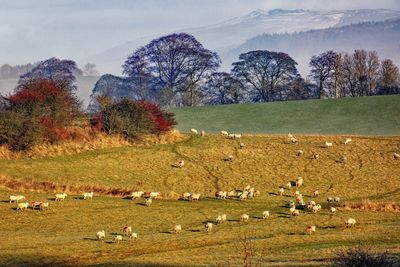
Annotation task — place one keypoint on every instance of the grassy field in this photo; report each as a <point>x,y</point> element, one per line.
<point>65,234</point>
<point>376,115</point>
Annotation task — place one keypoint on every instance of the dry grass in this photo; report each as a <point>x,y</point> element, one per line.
<point>368,205</point>
<point>65,233</point>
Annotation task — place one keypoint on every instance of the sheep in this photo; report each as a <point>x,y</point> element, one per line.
<point>332,209</point>
<point>133,236</point>
<point>228,158</point>
<point>194,197</point>
<point>328,144</point>
<point>289,185</point>
<point>336,199</point>
<point>257,193</point>
<point>87,195</point>
<point>44,205</point>
<point>299,153</point>
<point>350,222</point>
<point>127,230</point>
<point>292,204</point>
<point>281,190</point>
<point>224,133</point>
<point>316,208</point>
<point>265,214</point>
<point>117,239</point>
<point>179,164</point>
<point>329,199</point>
<point>297,193</point>
<point>221,194</point>
<point>343,159</point>
<point>16,199</point>
<point>295,213</point>
<point>310,205</point>
<point>154,195</point>
<point>231,136</point>
<point>315,155</point>
<point>242,145</point>
<point>243,195</point>
<point>61,197</point>
<point>148,202</point>
<point>316,193</point>
<point>194,131</point>
<point>202,133</point>
<point>347,141</point>
<point>299,199</point>
<point>237,136</point>
<point>247,188</point>
<point>396,156</point>
<point>299,181</point>
<point>209,227</point>
<point>244,218</point>
<point>36,204</point>
<point>292,138</point>
<point>22,206</point>
<point>218,220</point>
<point>137,194</point>
<point>177,229</point>
<point>101,235</point>
<point>250,194</point>
<point>223,217</point>
<point>231,194</point>
<point>310,229</point>
<point>186,195</point>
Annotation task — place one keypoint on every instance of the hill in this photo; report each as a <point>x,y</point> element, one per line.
<point>64,235</point>
<point>377,115</point>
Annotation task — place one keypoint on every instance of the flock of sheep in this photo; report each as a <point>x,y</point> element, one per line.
<point>295,206</point>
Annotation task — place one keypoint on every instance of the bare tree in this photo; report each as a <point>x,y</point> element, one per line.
<point>373,65</point>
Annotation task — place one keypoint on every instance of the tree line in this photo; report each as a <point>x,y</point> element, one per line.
<point>176,70</point>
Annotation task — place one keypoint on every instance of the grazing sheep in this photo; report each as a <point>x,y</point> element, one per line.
<point>209,227</point>
<point>281,190</point>
<point>133,236</point>
<point>148,202</point>
<point>16,199</point>
<point>257,193</point>
<point>265,214</point>
<point>316,208</point>
<point>36,204</point>
<point>310,204</point>
<point>328,144</point>
<point>295,213</point>
<point>241,145</point>
<point>289,185</point>
<point>218,220</point>
<point>347,141</point>
<point>127,230</point>
<point>237,136</point>
<point>299,181</point>
<point>117,239</point>
<point>310,229</point>
<point>88,195</point>
<point>299,153</point>
<point>350,222</point>
<point>329,199</point>
<point>244,218</point>
<point>316,193</point>
<point>221,194</point>
<point>396,156</point>
<point>292,138</point>
<point>137,194</point>
<point>194,197</point>
<point>186,195</point>
<point>297,193</point>
<point>180,164</point>
<point>299,199</point>
<point>243,195</point>
<point>202,133</point>
<point>336,199</point>
<point>231,194</point>
<point>250,194</point>
<point>194,131</point>
<point>247,188</point>
<point>177,229</point>
<point>154,195</point>
<point>224,133</point>
<point>101,235</point>
<point>315,155</point>
<point>61,197</point>
<point>44,205</point>
<point>223,217</point>
<point>292,204</point>
<point>332,209</point>
<point>22,206</point>
<point>228,158</point>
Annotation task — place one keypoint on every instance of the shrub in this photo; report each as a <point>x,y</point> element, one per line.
<point>163,121</point>
<point>363,257</point>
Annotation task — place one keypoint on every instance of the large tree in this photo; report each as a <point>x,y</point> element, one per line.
<point>177,62</point>
<point>222,88</point>
<point>322,71</point>
<point>389,77</point>
<point>265,72</point>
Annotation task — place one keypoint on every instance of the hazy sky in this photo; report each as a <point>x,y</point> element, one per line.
<point>32,30</point>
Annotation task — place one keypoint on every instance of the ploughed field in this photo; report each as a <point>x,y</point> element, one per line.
<point>66,232</point>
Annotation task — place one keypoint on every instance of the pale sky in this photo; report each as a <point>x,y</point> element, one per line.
<point>32,30</point>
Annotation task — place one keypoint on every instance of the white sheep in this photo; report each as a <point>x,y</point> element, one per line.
<point>299,181</point>
<point>16,199</point>
<point>295,213</point>
<point>299,153</point>
<point>221,194</point>
<point>88,195</point>
<point>127,230</point>
<point>316,208</point>
<point>202,133</point>
<point>336,199</point>
<point>396,156</point>
<point>242,145</point>
<point>218,220</point>
<point>117,239</point>
<point>316,193</point>
<point>328,144</point>
<point>101,235</point>
<point>194,197</point>
<point>281,190</point>
<point>347,141</point>
<point>297,193</point>
<point>350,222</point>
<point>148,202</point>
<point>231,136</point>
<point>243,195</point>
<point>180,164</point>
<point>224,133</point>
<point>332,209</point>
<point>289,185</point>
<point>310,229</point>
<point>228,158</point>
<point>186,195</point>
<point>329,199</point>
<point>154,195</point>
<point>61,197</point>
<point>244,218</point>
<point>231,194</point>
<point>22,206</point>
<point>209,227</point>
<point>177,229</point>
<point>343,159</point>
<point>265,214</point>
<point>223,217</point>
<point>133,236</point>
<point>247,188</point>
<point>237,136</point>
<point>292,138</point>
<point>194,131</point>
<point>257,193</point>
<point>137,194</point>
<point>44,205</point>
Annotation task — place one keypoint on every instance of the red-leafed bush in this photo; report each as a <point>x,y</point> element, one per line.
<point>163,121</point>
<point>53,133</point>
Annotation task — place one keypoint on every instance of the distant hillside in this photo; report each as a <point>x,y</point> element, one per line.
<point>383,37</point>
<point>375,115</point>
